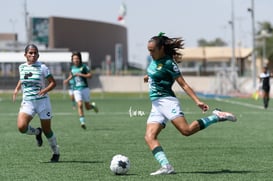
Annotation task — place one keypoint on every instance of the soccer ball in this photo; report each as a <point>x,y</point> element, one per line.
<point>120,164</point>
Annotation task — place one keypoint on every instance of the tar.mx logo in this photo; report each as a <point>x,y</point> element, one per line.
<point>135,112</point>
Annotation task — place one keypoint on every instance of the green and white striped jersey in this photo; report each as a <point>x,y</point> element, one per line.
<point>162,74</point>
<point>32,79</point>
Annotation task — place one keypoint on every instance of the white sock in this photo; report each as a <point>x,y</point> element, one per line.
<point>32,131</point>
<point>53,144</point>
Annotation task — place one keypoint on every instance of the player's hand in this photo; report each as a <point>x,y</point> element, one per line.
<point>146,78</point>
<point>203,106</point>
<point>42,92</point>
<point>65,82</point>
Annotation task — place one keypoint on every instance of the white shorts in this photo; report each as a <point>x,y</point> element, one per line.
<point>165,109</point>
<point>71,92</point>
<point>82,95</point>
<point>42,107</point>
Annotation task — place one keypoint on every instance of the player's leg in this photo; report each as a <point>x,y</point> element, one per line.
<point>86,99</point>
<point>152,131</point>
<point>155,123</point>
<point>184,128</point>
<point>23,121</point>
<point>25,115</point>
<point>71,95</point>
<point>79,99</point>
<point>188,129</point>
<point>266,97</point>
<point>45,115</point>
<point>46,126</point>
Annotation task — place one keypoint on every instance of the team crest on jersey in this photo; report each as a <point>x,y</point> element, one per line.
<point>175,68</point>
<point>159,66</point>
<point>27,75</point>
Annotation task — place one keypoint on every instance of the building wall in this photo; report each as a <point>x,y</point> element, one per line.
<point>97,38</point>
<point>8,37</point>
<point>98,83</point>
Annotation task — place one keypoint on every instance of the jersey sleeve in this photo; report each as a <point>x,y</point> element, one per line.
<point>46,72</point>
<point>86,69</point>
<point>173,69</point>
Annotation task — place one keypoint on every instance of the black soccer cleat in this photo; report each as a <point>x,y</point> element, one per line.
<point>39,138</point>
<point>55,158</point>
<point>83,126</point>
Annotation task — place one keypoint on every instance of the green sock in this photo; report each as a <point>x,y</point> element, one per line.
<point>205,122</point>
<point>160,156</point>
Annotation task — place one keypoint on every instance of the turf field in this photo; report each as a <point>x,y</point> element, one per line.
<point>225,151</point>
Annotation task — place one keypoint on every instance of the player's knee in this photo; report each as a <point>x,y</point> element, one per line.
<point>88,106</point>
<point>148,138</point>
<point>22,129</point>
<point>80,104</point>
<point>186,132</point>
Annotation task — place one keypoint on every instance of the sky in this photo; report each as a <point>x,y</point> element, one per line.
<point>190,19</point>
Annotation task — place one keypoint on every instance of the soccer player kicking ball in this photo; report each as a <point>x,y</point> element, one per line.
<point>35,99</point>
<point>162,72</point>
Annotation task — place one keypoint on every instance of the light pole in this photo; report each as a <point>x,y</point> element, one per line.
<point>13,22</point>
<point>26,22</point>
<point>251,10</point>
<point>233,60</point>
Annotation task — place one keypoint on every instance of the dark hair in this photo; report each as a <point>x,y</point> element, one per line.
<point>172,46</point>
<point>78,54</point>
<point>31,46</point>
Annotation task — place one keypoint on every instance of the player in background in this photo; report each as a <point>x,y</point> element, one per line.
<point>32,82</point>
<point>265,85</point>
<point>80,73</point>
<point>162,72</point>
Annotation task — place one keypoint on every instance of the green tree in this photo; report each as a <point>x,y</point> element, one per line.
<point>265,28</point>
<point>217,42</point>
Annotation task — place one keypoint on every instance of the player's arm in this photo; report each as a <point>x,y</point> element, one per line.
<point>67,79</point>
<point>16,90</point>
<point>51,85</point>
<point>184,85</point>
<point>87,75</point>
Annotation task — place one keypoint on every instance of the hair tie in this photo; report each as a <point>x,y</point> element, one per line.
<point>161,34</point>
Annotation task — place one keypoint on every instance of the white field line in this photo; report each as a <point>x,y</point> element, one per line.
<point>242,104</point>
<point>126,112</point>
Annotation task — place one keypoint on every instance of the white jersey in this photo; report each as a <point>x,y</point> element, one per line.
<point>32,79</point>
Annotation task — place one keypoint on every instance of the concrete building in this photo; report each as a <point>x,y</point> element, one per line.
<point>100,39</point>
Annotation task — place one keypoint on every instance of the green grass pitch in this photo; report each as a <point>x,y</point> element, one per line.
<point>224,151</point>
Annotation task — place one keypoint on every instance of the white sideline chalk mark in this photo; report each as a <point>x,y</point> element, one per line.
<point>241,103</point>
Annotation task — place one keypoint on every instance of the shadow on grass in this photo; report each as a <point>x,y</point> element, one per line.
<point>75,161</point>
<point>125,175</point>
<point>225,171</point>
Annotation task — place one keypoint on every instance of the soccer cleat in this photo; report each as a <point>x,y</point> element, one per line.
<point>39,137</point>
<point>83,126</point>
<point>224,116</point>
<point>167,169</point>
<point>55,158</point>
<point>93,104</point>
